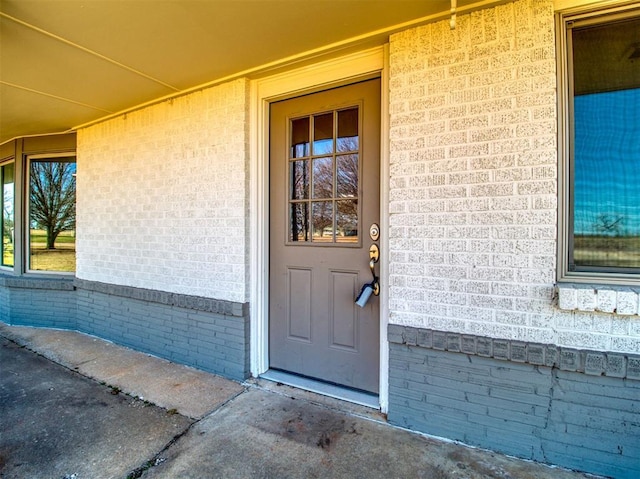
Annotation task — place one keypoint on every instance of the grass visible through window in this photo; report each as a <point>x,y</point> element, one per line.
<point>62,258</point>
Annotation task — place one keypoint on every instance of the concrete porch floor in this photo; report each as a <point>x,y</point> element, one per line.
<point>74,406</point>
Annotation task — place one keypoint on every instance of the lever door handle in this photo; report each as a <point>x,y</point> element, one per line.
<point>374,256</point>
<point>374,253</point>
<point>373,287</point>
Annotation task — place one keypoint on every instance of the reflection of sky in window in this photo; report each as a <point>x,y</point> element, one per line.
<point>7,194</point>
<point>607,161</point>
<point>323,147</point>
<point>7,191</point>
<point>300,150</point>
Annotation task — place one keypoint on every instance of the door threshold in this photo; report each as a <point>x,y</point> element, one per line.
<point>326,389</point>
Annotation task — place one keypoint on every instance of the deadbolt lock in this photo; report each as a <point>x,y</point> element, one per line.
<point>374,232</point>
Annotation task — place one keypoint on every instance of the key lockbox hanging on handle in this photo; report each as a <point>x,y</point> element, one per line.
<point>372,288</point>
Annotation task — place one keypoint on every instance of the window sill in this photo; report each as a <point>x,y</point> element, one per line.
<point>619,300</point>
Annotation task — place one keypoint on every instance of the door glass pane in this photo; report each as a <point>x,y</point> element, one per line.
<point>348,130</point>
<point>299,222</point>
<point>347,176</point>
<point>323,134</point>
<point>323,189</point>
<point>322,212</point>
<point>300,138</point>
<point>299,179</point>
<point>52,214</point>
<point>8,218</point>
<point>347,221</point>
<point>323,178</point>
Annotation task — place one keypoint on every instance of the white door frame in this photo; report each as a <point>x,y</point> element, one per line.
<point>320,76</point>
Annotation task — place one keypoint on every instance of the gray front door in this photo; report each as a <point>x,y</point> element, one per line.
<point>324,197</point>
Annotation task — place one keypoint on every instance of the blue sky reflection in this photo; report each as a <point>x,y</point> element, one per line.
<point>607,163</point>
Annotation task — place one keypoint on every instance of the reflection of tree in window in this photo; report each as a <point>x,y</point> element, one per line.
<point>323,179</point>
<point>52,214</point>
<point>347,220</point>
<point>299,222</point>
<point>299,180</point>
<point>8,220</point>
<point>347,173</point>
<point>322,213</point>
<point>52,198</point>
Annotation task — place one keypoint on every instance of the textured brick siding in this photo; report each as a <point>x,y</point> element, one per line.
<point>601,415</point>
<point>4,305</point>
<point>163,196</point>
<point>212,342</point>
<point>589,423</point>
<point>473,164</point>
<point>48,303</point>
<point>45,308</point>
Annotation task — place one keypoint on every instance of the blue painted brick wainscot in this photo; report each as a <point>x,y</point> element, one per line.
<point>536,401</point>
<point>209,334</point>
<point>45,302</point>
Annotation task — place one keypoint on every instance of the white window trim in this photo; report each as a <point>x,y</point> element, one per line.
<point>320,76</point>
<point>583,11</point>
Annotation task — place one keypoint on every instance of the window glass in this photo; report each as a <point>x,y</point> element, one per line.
<point>323,180</point>
<point>299,222</point>
<point>299,181</point>
<point>300,138</point>
<point>347,172</point>
<point>347,221</point>
<point>348,130</point>
<point>8,218</point>
<point>323,177</point>
<point>323,134</point>
<point>322,221</point>
<point>52,214</point>
<point>604,171</point>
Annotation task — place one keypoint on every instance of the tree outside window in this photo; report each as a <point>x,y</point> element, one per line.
<point>8,220</point>
<point>52,214</point>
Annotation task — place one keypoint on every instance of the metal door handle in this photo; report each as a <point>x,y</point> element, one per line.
<point>374,253</point>
<point>374,287</point>
<point>374,256</point>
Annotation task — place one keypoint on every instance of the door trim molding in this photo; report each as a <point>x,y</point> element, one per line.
<point>320,76</point>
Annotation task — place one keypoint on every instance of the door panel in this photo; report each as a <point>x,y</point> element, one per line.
<point>324,195</point>
<point>299,299</point>
<point>343,313</point>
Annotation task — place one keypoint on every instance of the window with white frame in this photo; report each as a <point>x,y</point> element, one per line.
<point>52,213</point>
<point>600,138</point>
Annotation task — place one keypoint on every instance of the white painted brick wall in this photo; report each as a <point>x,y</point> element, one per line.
<point>473,197</point>
<point>163,196</point>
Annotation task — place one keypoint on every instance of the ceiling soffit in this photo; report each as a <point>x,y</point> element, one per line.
<point>69,62</point>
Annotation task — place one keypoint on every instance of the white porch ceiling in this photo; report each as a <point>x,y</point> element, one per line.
<point>64,63</point>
